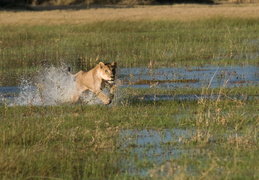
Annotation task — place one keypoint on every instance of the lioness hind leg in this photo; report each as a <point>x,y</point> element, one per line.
<point>103,97</point>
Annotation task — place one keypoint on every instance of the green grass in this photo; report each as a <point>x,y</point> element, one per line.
<point>83,142</point>
<point>79,142</point>
<point>217,41</point>
<point>228,93</point>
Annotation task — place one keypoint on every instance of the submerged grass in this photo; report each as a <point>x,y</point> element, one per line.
<point>227,93</point>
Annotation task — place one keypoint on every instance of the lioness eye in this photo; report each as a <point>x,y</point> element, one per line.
<point>106,71</point>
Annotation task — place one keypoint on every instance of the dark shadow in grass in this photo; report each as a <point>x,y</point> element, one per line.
<point>45,5</point>
<point>186,1</point>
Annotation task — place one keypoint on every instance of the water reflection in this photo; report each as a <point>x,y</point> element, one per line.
<point>194,77</point>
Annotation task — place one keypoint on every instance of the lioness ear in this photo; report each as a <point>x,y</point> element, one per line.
<point>114,64</point>
<point>101,64</point>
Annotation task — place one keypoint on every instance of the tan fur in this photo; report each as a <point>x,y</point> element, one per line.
<point>95,80</point>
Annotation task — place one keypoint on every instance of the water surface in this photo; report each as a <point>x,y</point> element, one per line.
<point>58,85</point>
<point>195,77</point>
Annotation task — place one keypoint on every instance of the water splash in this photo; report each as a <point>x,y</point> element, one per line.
<point>52,86</point>
<point>27,94</point>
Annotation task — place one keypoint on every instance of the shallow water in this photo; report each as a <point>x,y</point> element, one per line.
<point>153,146</point>
<point>191,97</point>
<point>211,76</point>
<point>57,85</point>
<point>157,147</point>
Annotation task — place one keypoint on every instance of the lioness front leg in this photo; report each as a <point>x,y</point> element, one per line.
<point>103,97</point>
<point>112,89</point>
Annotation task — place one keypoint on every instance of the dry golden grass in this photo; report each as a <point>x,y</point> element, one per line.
<point>176,12</point>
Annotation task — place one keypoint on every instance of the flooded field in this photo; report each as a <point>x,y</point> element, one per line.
<point>58,85</point>
<point>152,152</point>
<point>186,105</point>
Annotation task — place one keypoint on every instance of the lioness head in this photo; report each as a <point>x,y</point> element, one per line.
<point>107,71</point>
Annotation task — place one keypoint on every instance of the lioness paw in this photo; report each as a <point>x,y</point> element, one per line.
<point>107,102</point>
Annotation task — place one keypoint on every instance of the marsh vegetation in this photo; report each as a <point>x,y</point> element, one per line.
<point>186,106</point>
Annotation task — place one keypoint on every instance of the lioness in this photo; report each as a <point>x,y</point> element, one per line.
<point>95,80</point>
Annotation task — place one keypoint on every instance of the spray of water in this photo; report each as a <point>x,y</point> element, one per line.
<point>52,86</point>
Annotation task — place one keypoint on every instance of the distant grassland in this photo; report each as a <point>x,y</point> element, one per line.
<point>155,36</point>
<point>172,13</point>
